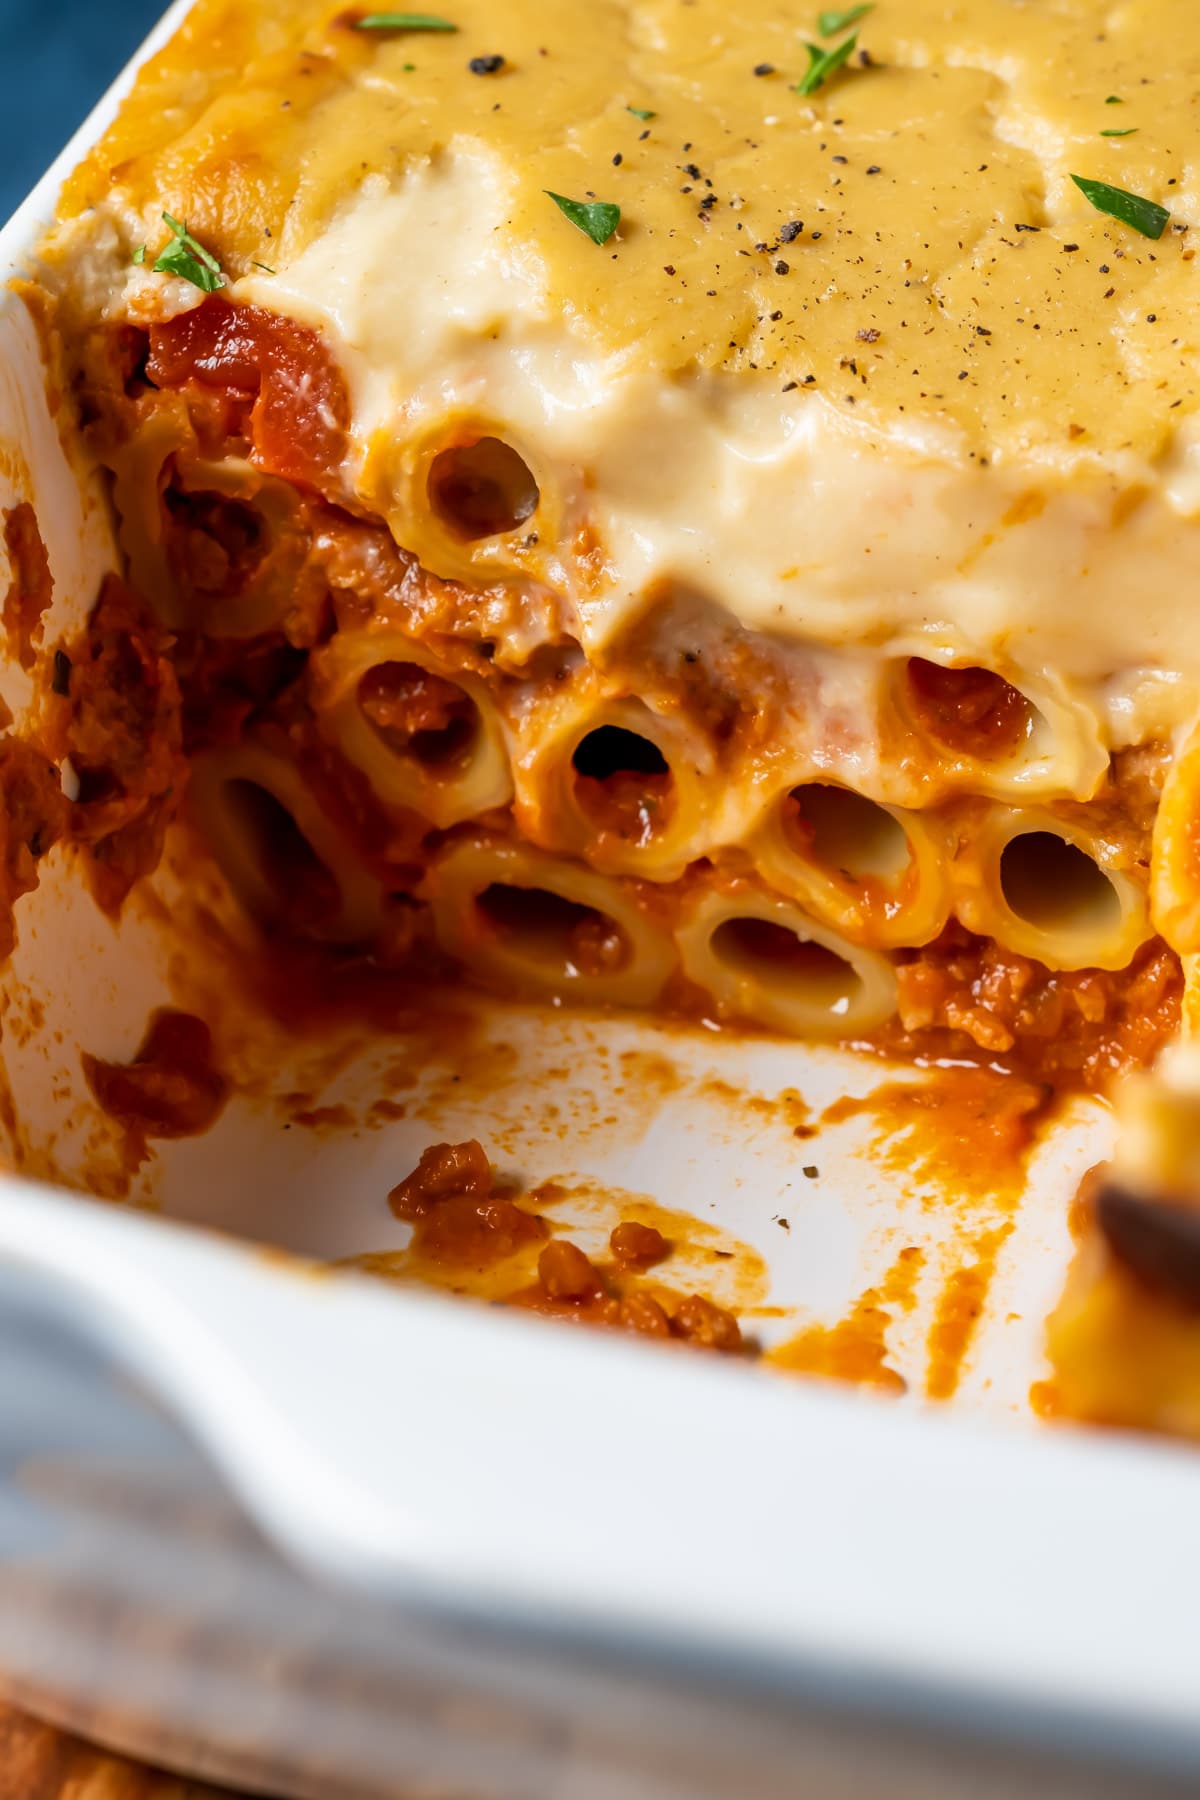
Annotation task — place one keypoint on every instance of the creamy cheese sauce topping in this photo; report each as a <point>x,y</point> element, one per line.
<point>862,366</point>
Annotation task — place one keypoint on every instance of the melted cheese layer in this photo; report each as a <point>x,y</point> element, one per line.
<point>952,413</point>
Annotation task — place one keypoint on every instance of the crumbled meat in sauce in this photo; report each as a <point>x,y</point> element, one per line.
<point>460,1221</point>
<point>33,817</point>
<point>475,1233</point>
<point>444,1169</point>
<point>587,940</point>
<point>596,946</point>
<point>415,710</point>
<point>1155,1238</point>
<point>217,543</point>
<point>623,784</point>
<point>632,806</point>
<point>1078,1027</point>
<point>244,560</point>
<point>700,1322</point>
<point>171,1089</point>
<point>1123,809</point>
<point>226,683</point>
<point>567,1274</point>
<point>124,738</point>
<point>404,698</point>
<point>688,1318</point>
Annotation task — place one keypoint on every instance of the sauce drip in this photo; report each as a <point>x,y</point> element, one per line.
<point>855,1349</point>
<point>171,1089</point>
<point>33,816</point>
<point>31,586</point>
<point>959,1309</point>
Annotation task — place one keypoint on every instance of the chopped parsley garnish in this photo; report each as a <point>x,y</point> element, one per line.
<point>822,64</point>
<point>830,23</point>
<point>189,260</point>
<point>392,21</point>
<point>1143,215</point>
<point>597,219</point>
<point>1129,131</point>
<point>641,112</point>
<point>1113,100</point>
<point>139,255</point>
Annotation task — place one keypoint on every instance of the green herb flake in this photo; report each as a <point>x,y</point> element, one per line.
<point>822,64</point>
<point>1113,100</point>
<point>1129,131</point>
<point>830,23</point>
<point>189,260</point>
<point>265,267</point>
<point>597,219</point>
<point>139,255</point>
<point>393,21</point>
<point>1146,216</point>
<point>641,112</point>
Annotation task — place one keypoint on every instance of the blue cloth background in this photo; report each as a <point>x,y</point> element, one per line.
<point>56,59</point>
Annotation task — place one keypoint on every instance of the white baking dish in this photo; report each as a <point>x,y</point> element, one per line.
<point>518,1560</point>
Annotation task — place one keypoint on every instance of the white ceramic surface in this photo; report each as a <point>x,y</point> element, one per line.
<point>440,1454</point>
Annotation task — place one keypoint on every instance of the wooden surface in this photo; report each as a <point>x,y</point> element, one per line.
<point>39,1763</point>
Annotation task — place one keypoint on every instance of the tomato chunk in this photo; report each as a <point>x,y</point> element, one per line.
<point>300,410</point>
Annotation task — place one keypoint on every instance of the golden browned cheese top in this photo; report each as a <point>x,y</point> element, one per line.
<point>906,239</point>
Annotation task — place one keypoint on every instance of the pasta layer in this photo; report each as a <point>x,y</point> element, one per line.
<point>580,566</point>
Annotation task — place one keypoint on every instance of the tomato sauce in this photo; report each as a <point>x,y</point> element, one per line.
<point>1084,1028</point>
<point>418,713</point>
<point>974,712</point>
